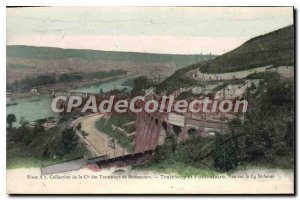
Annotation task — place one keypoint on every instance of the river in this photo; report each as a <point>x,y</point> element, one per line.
<point>38,107</point>
<point>106,86</point>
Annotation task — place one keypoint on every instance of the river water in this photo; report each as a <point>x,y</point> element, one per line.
<point>39,107</point>
<point>107,86</point>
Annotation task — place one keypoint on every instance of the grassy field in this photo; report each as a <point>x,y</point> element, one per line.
<point>275,48</point>
<point>188,170</point>
<point>105,126</point>
<point>178,168</point>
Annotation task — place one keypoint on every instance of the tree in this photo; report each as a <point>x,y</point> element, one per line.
<point>23,122</point>
<point>266,135</point>
<point>10,119</point>
<point>139,84</point>
<point>226,155</point>
<point>46,154</point>
<point>68,141</point>
<point>78,127</point>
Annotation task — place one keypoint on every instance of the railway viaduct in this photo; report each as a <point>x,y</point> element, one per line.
<point>152,128</point>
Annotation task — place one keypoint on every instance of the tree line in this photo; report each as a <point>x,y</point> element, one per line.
<point>30,82</point>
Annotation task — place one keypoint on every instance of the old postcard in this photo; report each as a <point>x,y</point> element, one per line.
<point>150,100</point>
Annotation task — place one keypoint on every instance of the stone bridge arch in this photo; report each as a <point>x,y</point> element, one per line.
<point>177,130</point>
<point>190,131</point>
<point>156,120</point>
<point>208,132</point>
<point>153,128</point>
<point>117,171</point>
<point>164,130</point>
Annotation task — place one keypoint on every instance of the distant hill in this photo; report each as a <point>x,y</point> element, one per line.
<point>275,48</point>
<point>30,61</point>
<point>49,53</point>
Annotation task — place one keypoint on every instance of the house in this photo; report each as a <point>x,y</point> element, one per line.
<point>34,90</point>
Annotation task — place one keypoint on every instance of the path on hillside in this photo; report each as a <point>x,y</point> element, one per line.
<point>98,141</point>
<point>285,71</point>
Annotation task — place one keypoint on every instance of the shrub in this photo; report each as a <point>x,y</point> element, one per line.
<point>226,154</point>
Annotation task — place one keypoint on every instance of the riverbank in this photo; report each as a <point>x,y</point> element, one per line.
<point>36,107</point>
<point>64,86</point>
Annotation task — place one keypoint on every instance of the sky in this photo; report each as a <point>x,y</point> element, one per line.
<point>174,30</point>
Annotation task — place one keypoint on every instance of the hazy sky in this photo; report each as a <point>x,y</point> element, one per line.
<point>183,30</point>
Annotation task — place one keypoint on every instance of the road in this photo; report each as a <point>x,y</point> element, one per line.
<point>97,142</point>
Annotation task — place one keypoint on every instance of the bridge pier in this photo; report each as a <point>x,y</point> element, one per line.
<point>147,133</point>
